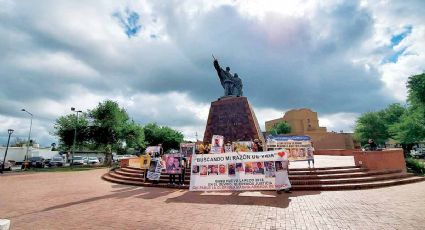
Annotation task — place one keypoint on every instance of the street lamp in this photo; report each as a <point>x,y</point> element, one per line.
<point>29,138</point>
<point>10,131</point>
<point>75,135</point>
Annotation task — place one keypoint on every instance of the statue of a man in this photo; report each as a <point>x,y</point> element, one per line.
<point>232,85</point>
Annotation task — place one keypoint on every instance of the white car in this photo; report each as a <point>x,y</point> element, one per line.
<point>92,161</point>
<point>77,160</point>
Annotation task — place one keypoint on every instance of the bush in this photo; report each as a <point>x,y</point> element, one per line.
<point>415,165</point>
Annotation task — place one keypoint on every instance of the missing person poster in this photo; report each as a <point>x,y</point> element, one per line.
<point>299,147</point>
<point>217,144</point>
<point>187,149</point>
<point>239,172</point>
<point>242,146</point>
<point>154,171</point>
<point>145,161</point>
<point>173,163</point>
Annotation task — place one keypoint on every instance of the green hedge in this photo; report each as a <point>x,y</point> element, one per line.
<point>415,165</point>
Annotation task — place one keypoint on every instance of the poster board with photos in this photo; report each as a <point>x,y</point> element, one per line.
<point>155,168</point>
<point>187,149</point>
<point>239,172</point>
<point>173,163</point>
<point>217,144</point>
<point>145,161</point>
<point>242,146</point>
<point>299,147</point>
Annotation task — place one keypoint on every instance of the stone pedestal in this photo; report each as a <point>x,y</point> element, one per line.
<point>233,118</point>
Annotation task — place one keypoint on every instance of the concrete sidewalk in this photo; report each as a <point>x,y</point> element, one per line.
<point>81,200</point>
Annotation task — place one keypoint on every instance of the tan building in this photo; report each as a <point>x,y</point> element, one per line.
<point>305,122</point>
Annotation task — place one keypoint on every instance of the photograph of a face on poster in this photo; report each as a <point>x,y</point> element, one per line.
<point>152,166</point>
<point>258,168</point>
<point>222,169</point>
<point>172,164</point>
<point>232,169</point>
<point>239,167</point>
<point>204,170</point>
<point>248,167</point>
<point>217,144</point>
<point>187,149</point>
<point>212,169</point>
<point>279,166</point>
<point>270,169</point>
<point>195,169</point>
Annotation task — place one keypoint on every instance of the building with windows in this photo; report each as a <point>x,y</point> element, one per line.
<point>305,122</point>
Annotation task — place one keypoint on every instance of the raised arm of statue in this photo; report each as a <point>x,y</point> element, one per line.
<point>220,71</point>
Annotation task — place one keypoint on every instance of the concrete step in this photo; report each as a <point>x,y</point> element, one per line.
<point>352,180</point>
<point>319,187</point>
<point>352,186</point>
<point>292,177</point>
<point>109,178</point>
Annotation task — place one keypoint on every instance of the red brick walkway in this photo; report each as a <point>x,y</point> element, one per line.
<point>81,200</point>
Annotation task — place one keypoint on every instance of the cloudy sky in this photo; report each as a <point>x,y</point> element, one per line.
<point>339,58</point>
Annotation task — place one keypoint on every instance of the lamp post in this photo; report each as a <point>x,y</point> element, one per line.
<point>10,131</point>
<point>29,138</point>
<point>75,135</point>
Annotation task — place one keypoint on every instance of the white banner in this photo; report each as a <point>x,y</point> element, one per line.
<point>240,171</point>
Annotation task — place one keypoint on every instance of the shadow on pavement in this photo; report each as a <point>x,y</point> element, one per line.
<point>261,198</point>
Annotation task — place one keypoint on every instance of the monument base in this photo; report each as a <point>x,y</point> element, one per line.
<point>233,118</point>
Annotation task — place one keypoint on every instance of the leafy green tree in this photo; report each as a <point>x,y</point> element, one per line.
<point>134,136</point>
<point>168,137</point>
<point>65,127</point>
<point>109,123</point>
<point>370,125</point>
<point>416,90</point>
<point>281,128</point>
<point>410,129</point>
<point>392,114</point>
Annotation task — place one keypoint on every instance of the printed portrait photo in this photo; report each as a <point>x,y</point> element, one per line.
<point>248,167</point>
<point>222,169</point>
<point>258,168</point>
<point>195,169</point>
<point>239,167</point>
<point>212,169</point>
<point>279,166</point>
<point>204,170</point>
<point>270,169</point>
<point>232,169</point>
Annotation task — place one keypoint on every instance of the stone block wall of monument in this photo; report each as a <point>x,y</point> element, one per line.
<point>305,122</point>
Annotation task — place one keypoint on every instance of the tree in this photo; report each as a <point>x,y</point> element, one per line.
<point>65,128</point>
<point>109,122</point>
<point>371,126</point>
<point>411,126</point>
<point>281,128</point>
<point>416,90</point>
<point>134,136</point>
<point>168,137</point>
<point>410,129</point>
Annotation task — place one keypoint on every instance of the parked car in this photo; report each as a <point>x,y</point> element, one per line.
<point>36,162</point>
<point>7,165</point>
<point>92,160</point>
<point>56,161</point>
<point>77,160</point>
<point>418,153</point>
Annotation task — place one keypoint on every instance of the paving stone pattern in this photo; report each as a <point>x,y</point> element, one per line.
<point>81,200</point>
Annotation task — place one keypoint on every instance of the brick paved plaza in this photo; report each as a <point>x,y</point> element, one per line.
<point>81,200</point>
